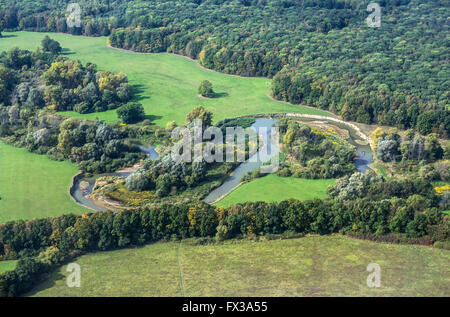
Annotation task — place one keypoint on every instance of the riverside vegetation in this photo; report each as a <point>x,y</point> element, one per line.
<point>38,87</point>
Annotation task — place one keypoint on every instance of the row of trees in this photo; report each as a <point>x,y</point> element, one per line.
<point>402,208</point>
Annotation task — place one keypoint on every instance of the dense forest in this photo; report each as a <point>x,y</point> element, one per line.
<point>320,53</point>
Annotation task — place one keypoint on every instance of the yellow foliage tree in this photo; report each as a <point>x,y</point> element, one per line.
<point>191,216</point>
<point>109,81</point>
<point>201,57</point>
<point>378,133</point>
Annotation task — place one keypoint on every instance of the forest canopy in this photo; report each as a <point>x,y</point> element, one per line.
<point>320,53</point>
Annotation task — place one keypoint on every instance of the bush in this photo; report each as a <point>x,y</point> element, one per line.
<point>442,245</point>
<point>51,46</point>
<point>131,112</point>
<point>171,125</point>
<point>440,232</point>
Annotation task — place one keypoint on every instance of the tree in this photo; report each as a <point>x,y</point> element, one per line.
<point>7,81</point>
<point>131,112</point>
<point>433,147</point>
<point>171,125</point>
<point>417,227</point>
<point>50,45</point>
<point>206,90</point>
<point>35,98</point>
<point>200,113</point>
<point>387,150</point>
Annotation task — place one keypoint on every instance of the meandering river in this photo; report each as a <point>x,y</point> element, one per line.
<point>364,154</point>
<point>248,166</point>
<point>84,186</point>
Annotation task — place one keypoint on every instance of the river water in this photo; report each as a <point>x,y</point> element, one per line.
<point>248,166</point>
<point>364,158</point>
<point>81,195</point>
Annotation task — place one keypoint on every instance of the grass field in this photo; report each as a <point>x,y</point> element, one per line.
<point>166,84</point>
<point>6,266</point>
<point>310,266</point>
<point>380,169</point>
<point>33,186</point>
<point>274,188</point>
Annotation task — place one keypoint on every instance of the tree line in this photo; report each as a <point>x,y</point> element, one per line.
<point>320,53</point>
<point>360,205</point>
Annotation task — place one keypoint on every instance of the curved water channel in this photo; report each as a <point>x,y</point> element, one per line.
<point>83,187</point>
<point>364,155</point>
<point>364,152</point>
<point>248,166</point>
<point>364,158</point>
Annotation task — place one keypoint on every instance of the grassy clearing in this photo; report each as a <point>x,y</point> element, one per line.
<point>6,266</point>
<point>274,188</point>
<point>380,169</point>
<point>310,266</point>
<point>33,186</point>
<point>165,84</point>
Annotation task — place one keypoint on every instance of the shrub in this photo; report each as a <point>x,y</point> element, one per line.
<point>442,245</point>
<point>171,125</point>
<point>131,112</point>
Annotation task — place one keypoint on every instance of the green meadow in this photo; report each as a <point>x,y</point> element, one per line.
<point>273,188</point>
<point>309,266</point>
<point>165,84</point>
<point>33,186</point>
<point>6,266</point>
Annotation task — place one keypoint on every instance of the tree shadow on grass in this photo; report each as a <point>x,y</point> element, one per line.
<point>67,51</point>
<point>221,95</point>
<point>217,95</point>
<point>5,36</point>
<point>47,283</point>
<point>152,117</point>
<point>138,91</point>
